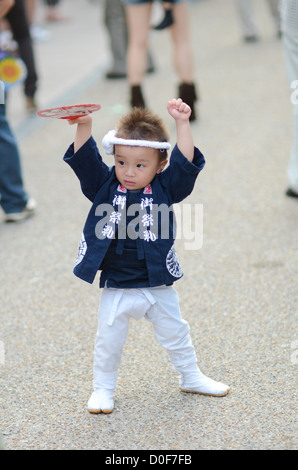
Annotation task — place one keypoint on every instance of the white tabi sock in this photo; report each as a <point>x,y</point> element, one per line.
<point>194,381</point>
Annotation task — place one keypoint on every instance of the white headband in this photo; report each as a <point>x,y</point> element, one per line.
<point>110,140</point>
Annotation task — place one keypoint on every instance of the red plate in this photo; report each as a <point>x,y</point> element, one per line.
<point>69,112</point>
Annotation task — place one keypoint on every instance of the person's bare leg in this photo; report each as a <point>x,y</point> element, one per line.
<point>138,18</point>
<point>183,57</point>
<point>183,60</point>
<point>30,9</point>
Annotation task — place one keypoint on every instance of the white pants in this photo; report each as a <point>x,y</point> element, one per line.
<point>247,18</point>
<point>158,305</point>
<point>290,38</point>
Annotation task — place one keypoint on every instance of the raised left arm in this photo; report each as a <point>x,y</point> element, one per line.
<point>181,112</point>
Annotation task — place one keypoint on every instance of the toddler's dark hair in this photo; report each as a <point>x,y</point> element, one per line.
<point>142,124</point>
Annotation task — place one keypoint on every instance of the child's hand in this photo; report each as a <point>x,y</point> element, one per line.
<point>179,110</point>
<point>81,120</point>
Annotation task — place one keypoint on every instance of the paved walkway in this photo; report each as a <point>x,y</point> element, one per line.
<point>239,293</point>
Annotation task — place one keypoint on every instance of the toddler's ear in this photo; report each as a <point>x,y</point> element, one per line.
<point>161,166</point>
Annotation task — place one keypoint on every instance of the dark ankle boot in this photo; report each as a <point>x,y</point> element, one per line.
<point>187,93</point>
<point>136,97</point>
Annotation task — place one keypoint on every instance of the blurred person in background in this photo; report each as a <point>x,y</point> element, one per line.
<point>18,22</point>
<point>38,33</point>
<point>138,18</point>
<point>248,22</point>
<point>116,24</point>
<point>289,10</point>
<point>14,200</point>
<point>52,11</point>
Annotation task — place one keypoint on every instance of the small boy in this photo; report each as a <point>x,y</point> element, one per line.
<point>135,254</point>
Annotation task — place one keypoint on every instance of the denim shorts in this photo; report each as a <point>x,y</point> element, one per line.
<point>139,2</point>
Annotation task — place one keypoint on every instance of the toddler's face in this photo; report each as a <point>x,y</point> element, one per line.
<point>136,166</point>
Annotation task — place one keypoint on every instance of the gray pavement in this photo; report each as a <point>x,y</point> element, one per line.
<point>239,293</point>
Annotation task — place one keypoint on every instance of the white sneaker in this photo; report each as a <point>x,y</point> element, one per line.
<point>25,214</point>
<point>38,33</point>
<point>206,386</point>
<point>101,401</point>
